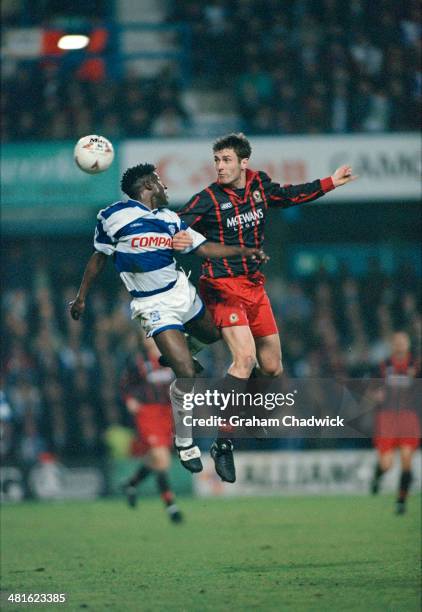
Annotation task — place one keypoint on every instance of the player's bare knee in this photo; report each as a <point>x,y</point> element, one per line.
<point>406,465</point>
<point>244,363</point>
<point>386,462</point>
<point>406,458</point>
<point>273,369</point>
<point>162,463</point>
<point>159,458</point>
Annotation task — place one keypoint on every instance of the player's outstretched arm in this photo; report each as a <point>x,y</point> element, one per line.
<point>214,249</point>
<point>93,268</point>
<point>292,195</point>
<point>183,240</point>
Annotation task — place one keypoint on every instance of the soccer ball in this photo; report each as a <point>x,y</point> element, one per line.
<point>93,154</point>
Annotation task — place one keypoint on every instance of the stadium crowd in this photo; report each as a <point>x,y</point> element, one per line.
<point>308,66</point>
<point>44,104</point>
<point>311,65</point>
<point>62,378</point>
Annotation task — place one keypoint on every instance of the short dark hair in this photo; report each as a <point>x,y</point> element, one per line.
<point>133,178</point>
<point>238,142</point>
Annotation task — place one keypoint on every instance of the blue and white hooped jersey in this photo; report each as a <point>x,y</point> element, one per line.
<point>141,242</point>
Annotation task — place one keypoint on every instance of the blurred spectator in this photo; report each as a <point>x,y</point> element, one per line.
<point>260,82</point>
<point>263,121</point>
<point>339,122</point>
<point>367,57</point>
<point>168,123</point>
<point>378,112</point>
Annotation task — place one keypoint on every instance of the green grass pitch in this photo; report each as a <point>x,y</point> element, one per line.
<point>293,553</point>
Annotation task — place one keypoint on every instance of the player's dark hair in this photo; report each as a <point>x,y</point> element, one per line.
<point>238,142</point>
<point>134,177</point>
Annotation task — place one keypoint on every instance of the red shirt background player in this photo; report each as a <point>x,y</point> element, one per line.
<point>397,421</point>
<point>397,424</point>
<point>145,389</point>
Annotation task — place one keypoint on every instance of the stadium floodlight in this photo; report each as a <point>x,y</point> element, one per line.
<point>73,41</point>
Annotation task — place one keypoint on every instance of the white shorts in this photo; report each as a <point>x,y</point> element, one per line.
<point>170,309</point>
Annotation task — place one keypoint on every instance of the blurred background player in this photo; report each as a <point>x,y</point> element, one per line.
<point>233,210</point>
<point>145,390</point>
<point>397,422</point>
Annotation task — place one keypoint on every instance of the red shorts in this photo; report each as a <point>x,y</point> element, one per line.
<point>394,429</point>
<point>239,301</point>
<point>154,423</point>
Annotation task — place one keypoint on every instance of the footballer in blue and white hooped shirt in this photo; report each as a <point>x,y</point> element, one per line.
<point>141,243</point>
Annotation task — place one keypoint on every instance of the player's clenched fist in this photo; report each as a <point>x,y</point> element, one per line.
<point>257,255</point>
<point>182,240</point>
<point>77,308</point>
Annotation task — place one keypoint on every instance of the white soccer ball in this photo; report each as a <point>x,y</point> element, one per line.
<point>94,154</point>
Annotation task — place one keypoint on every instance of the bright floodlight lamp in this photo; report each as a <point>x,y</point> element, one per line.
<point>73,41</point>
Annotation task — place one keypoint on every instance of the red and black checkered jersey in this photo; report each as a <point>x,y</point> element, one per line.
<point>402,387</point>
<point>237,216</point>
<point>145,380</point>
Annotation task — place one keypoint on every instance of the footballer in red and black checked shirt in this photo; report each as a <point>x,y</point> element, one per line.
<point>233,211</point>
